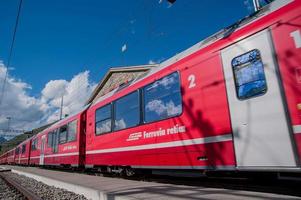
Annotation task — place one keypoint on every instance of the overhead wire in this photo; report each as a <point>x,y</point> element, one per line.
<point>10,51</point>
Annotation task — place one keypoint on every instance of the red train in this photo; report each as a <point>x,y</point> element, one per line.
<point>231,102</point>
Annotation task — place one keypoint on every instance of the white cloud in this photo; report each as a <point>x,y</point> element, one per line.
<point>120,124</point>
<point>25,111</point>
<point>54,89</point>
<point>248,5</point>
<point>29,112</point>
<point>164,109</point>
<point>151,62</point>
<point>76,93</point>
<point>124,48</point>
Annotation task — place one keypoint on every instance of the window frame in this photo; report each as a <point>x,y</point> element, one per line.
<point>141,106</point>
<point>17,152</point>
<point>50,133</point>
<point>112,120</point>
<point>55,139</point>
<point>34,144</point>
<point>23,149</point>
<point>75,139</point>
<point>235,78</point>
<point>139,109</point>
<point>143,102</point>
<point>59,135</point>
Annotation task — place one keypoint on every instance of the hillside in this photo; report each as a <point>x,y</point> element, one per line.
<point>7,145</point>
<point>2,139</point>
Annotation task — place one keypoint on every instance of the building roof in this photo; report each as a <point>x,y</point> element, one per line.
<point>126,69</point>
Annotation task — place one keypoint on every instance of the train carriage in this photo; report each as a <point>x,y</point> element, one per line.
<point>3,158</point>
<point>22,153</point>
<point>230,102</point>
<point>61,144</point>
<point>35,149</point>
<point>11,156</point>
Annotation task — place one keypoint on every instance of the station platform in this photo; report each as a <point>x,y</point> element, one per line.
<point>104,188</point>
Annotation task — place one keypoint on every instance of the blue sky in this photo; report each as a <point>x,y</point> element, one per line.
<point>65,47</point>
<point>58,39</point>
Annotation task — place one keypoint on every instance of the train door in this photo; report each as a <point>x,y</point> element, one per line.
<point>261,135</point>
<point>42,155</point>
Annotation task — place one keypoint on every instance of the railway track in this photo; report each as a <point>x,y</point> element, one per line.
<point>20,191</point>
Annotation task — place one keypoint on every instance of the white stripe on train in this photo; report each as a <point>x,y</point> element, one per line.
<point>206,140</point>
<point>212,139</point>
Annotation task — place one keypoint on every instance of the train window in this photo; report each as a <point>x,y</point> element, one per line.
<point>50,139</point>
<point>127,111</point>
<point>249,75</point>
<point>162,99</point>
<point>23,148</point>
<point>55,140</point>
<point>72,130</point>
<point>17,150</point>
<point>103,119</point>
<point>34,144</point>
<point>63,134</point>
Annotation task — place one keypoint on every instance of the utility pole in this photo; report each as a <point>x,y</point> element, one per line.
<point>8,122</point>
<point>62,102</point>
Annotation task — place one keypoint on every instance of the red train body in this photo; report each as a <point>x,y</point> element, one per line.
<point>3,158</point>
<point>11,156</point>
<point>231,102</point>
<point>61,144</point>
<point>22,153</point>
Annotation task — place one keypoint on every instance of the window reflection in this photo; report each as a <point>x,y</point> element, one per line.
<point>249,75</point>
<point>162,99</point>
<point>127,113</point>
<point>103,119</point>
<point>72,130</point>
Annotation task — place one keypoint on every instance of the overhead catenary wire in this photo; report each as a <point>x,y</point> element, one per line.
<point>10,51</point>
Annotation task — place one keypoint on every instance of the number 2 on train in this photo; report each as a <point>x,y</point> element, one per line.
<point>191,79</point>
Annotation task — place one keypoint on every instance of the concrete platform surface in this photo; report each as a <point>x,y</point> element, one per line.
<point>95,187</point>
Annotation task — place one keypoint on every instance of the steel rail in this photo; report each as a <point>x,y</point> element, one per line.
<point>28,194</point>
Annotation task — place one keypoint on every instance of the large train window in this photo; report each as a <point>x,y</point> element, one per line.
<point>103,119</point>
<point>34,144</point>
<point>127,111</point>
<point>55,140</point>
<point>50,139</point>
<point>63,134</point>
<point>162,99</point>
<point>23,148</point>
<point>17,151</point>
<point>72,130</point>
<point>249,75</point>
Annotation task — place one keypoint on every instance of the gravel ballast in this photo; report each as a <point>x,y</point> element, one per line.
<point>44,191</point>
<point>9,193</point>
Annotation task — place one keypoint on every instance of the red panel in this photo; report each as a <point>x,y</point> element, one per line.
<point>58,160</point>
<point>176,156</point>
<point>68,147</point>
<point>205,114</point>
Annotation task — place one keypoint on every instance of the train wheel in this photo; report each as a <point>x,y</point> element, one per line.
<point>129,172</point>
